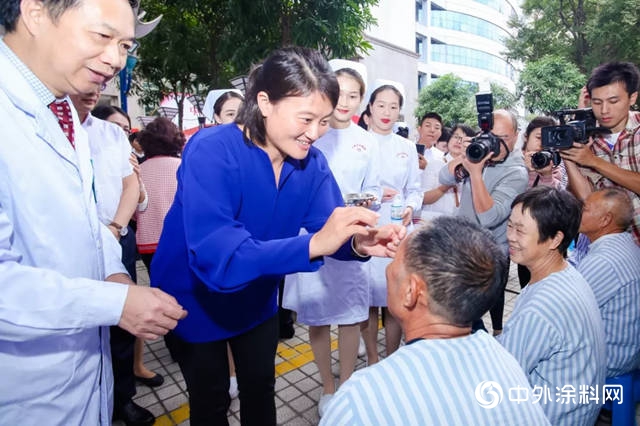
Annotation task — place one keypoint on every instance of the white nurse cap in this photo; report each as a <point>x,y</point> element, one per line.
<point>212,97</point>
<point>339,64</point>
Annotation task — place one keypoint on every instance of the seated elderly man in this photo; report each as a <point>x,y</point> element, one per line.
<point>443,277</point>
<point>612,269</point>
<point>555,330</point>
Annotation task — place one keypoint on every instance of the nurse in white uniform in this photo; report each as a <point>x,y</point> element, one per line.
<point>338,293</point>
<point>399,175</point>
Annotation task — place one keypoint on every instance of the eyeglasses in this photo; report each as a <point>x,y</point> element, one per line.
<point>457,138</point>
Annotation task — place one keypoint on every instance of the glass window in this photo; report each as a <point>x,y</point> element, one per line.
<point>501,6</point>
<point>420,13</point>
<point>459,55</point>
<point>468,24</point>
<point>421,48</point>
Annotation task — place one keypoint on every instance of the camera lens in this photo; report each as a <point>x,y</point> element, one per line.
<point>476,151</point>
<point>541,159</point>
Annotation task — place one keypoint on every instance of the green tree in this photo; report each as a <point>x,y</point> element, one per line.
<point>584,32</point>
<point>202,44</point>
<point>335,27</point>
<point>616,32</point>
<point>180,56</point>
<point>454,99</point>
<point>451,97</point>
<point>550,84</point>
<point>502,97</point>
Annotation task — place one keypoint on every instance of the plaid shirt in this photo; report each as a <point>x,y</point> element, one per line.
<point>626,155</point>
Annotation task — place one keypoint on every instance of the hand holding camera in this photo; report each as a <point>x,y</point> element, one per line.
<point>484,146</point>
<point>572,139</point>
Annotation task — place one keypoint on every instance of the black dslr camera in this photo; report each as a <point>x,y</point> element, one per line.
<point>576,125</point>
<point>485,142</point>
<point>542,159</point>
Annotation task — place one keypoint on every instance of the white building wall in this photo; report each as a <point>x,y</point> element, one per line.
<point>393,55</point>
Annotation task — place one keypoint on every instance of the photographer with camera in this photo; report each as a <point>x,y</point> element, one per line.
<point>611,160</point>
<point>491,180</point>
<point>545,166</point>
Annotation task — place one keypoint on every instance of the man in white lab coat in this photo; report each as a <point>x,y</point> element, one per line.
<point>61,279</point>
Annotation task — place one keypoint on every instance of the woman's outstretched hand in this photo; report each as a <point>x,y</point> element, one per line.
<point>360,222</point>
<point>343,223</point>
<point>380,242</point>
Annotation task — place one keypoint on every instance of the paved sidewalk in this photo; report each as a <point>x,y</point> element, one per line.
<point>297,379</point>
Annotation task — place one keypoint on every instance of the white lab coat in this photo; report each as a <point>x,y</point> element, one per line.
<point>338,293</point>
<point>399,171</point>
<point>55,366</point>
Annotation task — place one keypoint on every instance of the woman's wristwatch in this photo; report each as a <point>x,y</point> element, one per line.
<point>122,230</point>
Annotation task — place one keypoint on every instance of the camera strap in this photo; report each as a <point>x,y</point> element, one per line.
<point>491,163</point>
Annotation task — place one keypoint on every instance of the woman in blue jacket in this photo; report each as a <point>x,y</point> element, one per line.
<point>232,233</point>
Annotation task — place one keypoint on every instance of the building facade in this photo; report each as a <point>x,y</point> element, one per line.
<point>416,41</point>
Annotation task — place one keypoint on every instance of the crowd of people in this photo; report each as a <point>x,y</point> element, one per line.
<point>257,198</point>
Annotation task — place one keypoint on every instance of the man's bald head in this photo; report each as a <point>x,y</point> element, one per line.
<point>607,211</point>
<point>505,126</point>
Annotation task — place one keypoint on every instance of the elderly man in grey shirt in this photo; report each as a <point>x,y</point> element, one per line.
<point>490,188</point>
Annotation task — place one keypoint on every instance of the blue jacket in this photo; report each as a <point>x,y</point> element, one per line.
<point>232,234</point>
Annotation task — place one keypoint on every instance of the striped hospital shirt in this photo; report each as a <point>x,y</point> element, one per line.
<point>556,334</point>
<point>612,269</point>
<point>435,382</point>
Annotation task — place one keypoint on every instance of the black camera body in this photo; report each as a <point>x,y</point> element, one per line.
<point>486,141</point>
<point>542,159</point>
<point>576,125</point>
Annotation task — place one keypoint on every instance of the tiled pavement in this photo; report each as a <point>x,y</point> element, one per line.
<point>298,385</point>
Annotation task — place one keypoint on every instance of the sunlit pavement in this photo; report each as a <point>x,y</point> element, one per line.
<point>298,385</point>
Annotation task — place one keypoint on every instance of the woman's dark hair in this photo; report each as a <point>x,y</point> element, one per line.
<point>161,137</point>
<point>290,71</point>
<point>350,72</point>
<point>105,111</point>
<point>217,106</point>
<point>373,96</point>
<point>554,211</point>
<point>446,134</point>
<point>365,113</point>
<point>536,123</point>
<point>133,136</point>
<point>467,130</point>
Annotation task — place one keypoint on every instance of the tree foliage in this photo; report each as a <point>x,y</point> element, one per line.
<point>584,32</point>
<point>550,84</point>
<point>335,27</point>
<point>180,56</point>
<point>454,99</point>
<point>201,44</point>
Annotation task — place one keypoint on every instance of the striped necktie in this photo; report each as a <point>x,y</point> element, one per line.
<point>65,119</point>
